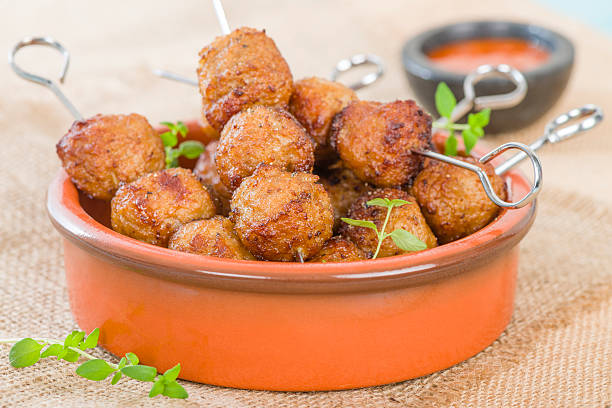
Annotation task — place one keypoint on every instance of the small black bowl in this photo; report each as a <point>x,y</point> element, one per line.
<point>545,83</point>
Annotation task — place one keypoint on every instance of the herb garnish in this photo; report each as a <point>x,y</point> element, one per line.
<point>470,132</point>
<point>28,351</point>
<point>402,238</point>
<point>189,148</point>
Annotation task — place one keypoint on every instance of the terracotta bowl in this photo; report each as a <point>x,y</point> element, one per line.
<point>289,326</point>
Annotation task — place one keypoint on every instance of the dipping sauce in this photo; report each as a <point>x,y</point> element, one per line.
<point>465,56</point>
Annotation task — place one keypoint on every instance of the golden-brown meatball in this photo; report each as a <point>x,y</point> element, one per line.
<point>338,249</point>
<point>343,188</point>
<point>206,171</point>
<point>104,151</point>
<point>262,135</point>
<point>282,216</point>
<point>375,140</point>
<point>407,217</point>
<point>453,201</point>
<point>153,207</point>
<point>314,103</point>
<point>242,69</point>
<point>213,237</point>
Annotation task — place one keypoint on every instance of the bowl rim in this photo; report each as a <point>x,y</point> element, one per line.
<point>78,227</point>
<point>417,63</point>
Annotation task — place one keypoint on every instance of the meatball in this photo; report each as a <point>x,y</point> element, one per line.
<point>338,249</point>
<point>453,200</point>
<point>407,217</point>
<point>262,135</point>
<point>206,171</point>
<point>314,103</point>
<point>212,237</point>
<point>239,70</point>
<point>104,151</point>
<point>343,188</point>
<point>282,216</point>
<point>375,140</point>
<point>153,207</point>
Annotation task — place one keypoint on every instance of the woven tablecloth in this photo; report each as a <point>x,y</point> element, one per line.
<point>556,352</point>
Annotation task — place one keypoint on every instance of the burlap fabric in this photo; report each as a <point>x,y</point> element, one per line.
<point>557,351</point>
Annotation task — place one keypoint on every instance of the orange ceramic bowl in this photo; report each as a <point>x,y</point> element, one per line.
<point>289,326</point>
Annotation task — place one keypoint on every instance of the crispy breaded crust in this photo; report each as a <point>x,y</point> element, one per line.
<point>239,70</point>
<point>206,171</point>
<point>315,102</point>
<point>213,237</point>
<point>343,188</point>
<point>262,135</point>
<point>407,217</point>
<point>279,215</point>
<point>338,249</point>
<point>375,140</point>
<point>101,152</point>
<point>453,200</point>
<point>153,207</point>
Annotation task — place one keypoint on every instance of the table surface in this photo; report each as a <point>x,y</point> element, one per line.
<point>557,350</point>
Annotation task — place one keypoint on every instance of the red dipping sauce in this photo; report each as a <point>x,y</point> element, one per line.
<point>465,56</point>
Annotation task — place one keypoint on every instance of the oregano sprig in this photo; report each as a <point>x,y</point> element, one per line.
<point>470,131</point>
<point>402,238</point>
<point>189,148</point>
<point>28,351</point>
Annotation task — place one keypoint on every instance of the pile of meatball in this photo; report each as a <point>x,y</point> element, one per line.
<point>290,160</point>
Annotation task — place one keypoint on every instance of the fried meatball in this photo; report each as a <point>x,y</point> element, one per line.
<point>343,188</point>
<point>239,70</point>
<point>375,140</point>
<point>338,249</point>
<point>282,216</point>
<point>206,171</point>
<point>213,237</point>
<point>314,103</point>
<point>453,200</point>
<point>104,151</point>
<point>262,135</point>
<point>153,207</point>
<point>407,217</point>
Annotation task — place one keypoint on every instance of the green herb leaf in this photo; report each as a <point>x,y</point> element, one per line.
<point>122,363</point>
<point>169,139</point>
<point>62,353</point>
<point>172,373</point>
<point>445,100</point>
<point>398,203</point>
<point>52,350</point>
<point>157,388</point>
<point>181,128</point>
<point>140,372</point>
<point>92,339</point>
<point>480,119</point>
<point>116,378</point>
<point>133,358</point>
<point>450,146</point>
<point>95,370</point>
<point>469,140</point>
<point>71,356</point>
<point>360,223</point>
<point>25,352</point>
<point>407,241</point>
<point>191,149</point>
<point>169,125</point>
<point>175,390</point>
<point>74,338</point>
<point>381,202</point>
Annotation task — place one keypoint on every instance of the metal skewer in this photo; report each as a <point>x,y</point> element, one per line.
<point>342,65</point>
<point>225,29</point>
<point>553,133</point>
<point>49,42</point>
